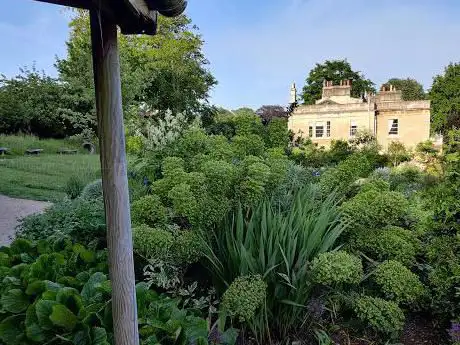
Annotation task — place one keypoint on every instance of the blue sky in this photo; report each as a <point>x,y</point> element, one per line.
<point>257,48</point>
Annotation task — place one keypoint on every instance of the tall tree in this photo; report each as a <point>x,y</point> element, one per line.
<point>411,89</point>
<point>165,71</point>
<point>269,112</point>
<point>334,70</point>
<point>445,99</point>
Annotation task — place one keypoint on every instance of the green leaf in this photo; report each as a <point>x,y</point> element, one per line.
<point>15,301</point>
<point>43,309</point>
<point>70,298</point>
<point>99,336</point>
<point>61,316</point>
<point>91,290</point>
<point>35,288</point>
<point>34,332</point>
<point>229,337</point>
<point>10,330</point>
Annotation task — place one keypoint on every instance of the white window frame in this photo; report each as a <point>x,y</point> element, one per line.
<point>353,128</point>
<point>393,127</point>
<point>319,125</point>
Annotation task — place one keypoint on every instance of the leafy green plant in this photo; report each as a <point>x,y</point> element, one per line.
<point>383,316</point>
<point>92,191</point>
<point>398,283</point>
<point>74,186</point>
<point>277,246</point>
<point>149,210</point>
<point>338,267</point>
<point>244,296</point>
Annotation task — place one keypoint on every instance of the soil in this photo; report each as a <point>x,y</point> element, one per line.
<point>422,331</point>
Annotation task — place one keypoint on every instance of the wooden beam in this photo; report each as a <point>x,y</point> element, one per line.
<point>114,177</point>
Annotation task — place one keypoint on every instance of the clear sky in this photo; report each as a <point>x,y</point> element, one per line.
<point>257,48</point>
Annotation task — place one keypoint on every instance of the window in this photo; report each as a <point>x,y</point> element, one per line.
<point>319,130</point>
<point>310,131</point>
<point>353,129</point>
<point>393,127</point>
<point>328,128</point>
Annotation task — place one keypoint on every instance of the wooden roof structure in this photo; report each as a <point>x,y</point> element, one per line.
<point>133,17</point>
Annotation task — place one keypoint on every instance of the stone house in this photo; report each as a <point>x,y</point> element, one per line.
<point>337,115</point>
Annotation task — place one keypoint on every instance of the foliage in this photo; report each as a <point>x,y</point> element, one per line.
<point>337,268</point>
<point>371,209</point>
<point>383,316</point>
<point>397,153</point>
<point>411,89</point>
<point>277,133</point>
<point>83,220</point>
<point>342,176</point>
<point>276,246</point>
<point>92,191</point>
<point>270,112</point>
<point>335,71</point>
<point>149,65</point>
<point>398,283</point>
<point>74,186</point>
<point>445,100</point>
<point>149,210</point>
<point>244,296</point>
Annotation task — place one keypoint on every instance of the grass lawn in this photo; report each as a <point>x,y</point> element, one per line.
<point>18,144</point>
<point>44,177</point>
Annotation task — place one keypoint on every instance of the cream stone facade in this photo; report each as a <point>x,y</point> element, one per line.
<point>337,115</point>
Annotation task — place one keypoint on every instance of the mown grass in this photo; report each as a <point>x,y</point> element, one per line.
<point>44,177</point>
<point>18,144</point>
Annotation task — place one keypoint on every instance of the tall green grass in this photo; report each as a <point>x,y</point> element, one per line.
<point>18,144</point>
<point>278,246</point>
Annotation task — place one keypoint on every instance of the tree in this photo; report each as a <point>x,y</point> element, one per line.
<point>411,89</point>
<point>445,100</point>
<point>165,71</point>
<point>269,112</point>
<point>397,153</point>
<point>335,71</point>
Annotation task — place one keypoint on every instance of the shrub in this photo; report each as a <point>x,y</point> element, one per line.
<point>83,220</point>
<point>398,283</point>
<point>187,247</point>
<point>383,316</point>
<point>345,173</point>
<point>269,238</point>
<point>92,190</point>
<point>390,243</point>
<point>148,210</point>
<point>152,243</point>
<point>244,296</point>
<point>377,184</point>
<point>337,268</point>
<point>373,209</point>
<point>74,186</point>
<point>397,153</point>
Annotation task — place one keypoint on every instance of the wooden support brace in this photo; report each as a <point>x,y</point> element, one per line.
<point>114,177</point>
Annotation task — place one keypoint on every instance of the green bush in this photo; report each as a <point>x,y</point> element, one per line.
<point>148,210</point>
<point>383,316</point>
<point>390,243</point>
<point>345,174</point>
<point>92,190</point>
<point>398,283</point>
<point>74,186</point>
<point>152,243</point>
<point>83,220</point>
<point>376,184</point>
<point>337,268</point>
<point>187,247</point>
<point>372,209</point>
<point>277,245</point>
<point>244,296</point>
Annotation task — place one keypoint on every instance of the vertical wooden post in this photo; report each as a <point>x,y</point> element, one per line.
<point>114,177</point>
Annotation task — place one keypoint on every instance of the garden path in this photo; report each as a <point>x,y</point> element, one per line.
<point>11,210</point>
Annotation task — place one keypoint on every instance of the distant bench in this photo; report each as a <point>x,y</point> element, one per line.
<point>67,152</point>
<point>33,151</point>
<point>3,151</point>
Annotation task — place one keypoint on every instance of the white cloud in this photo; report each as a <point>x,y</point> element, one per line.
<point>256,64</point>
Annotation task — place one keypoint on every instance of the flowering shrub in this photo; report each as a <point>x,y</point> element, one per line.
<point>337,267</point>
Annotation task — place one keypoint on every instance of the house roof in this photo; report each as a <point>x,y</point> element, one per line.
<point>132,16</point>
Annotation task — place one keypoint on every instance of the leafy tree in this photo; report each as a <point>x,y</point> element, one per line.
<point>411,89</point>
<point>165,71</point>
<point>445,99</point>
<point>269,112</point>
<point>397,153</point>
<point>334,70</point>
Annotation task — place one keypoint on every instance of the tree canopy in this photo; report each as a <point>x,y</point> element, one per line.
<point>270,112</point>
<point>445,99</point>
<point>411,89</point>
<point>334,70</point>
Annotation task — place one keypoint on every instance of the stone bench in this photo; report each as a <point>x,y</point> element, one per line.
<point>33,151</point>
<point>3,151</point>
<point>67,152</point>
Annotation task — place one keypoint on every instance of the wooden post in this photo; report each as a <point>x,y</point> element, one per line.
<point>114,177</point>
